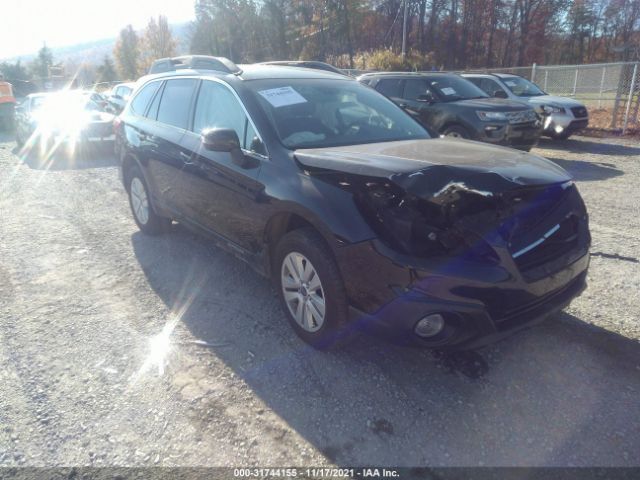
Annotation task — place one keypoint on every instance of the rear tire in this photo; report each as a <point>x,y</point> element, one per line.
<point>143,213</point>
<point>311,289</point>
<point>456,131</point>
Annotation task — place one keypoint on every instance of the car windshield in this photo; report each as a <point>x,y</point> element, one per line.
<point>452,87</point>
<point>320,113</point>
<point>522,87</point>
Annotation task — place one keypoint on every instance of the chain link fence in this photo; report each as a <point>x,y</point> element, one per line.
<point>611,91</point>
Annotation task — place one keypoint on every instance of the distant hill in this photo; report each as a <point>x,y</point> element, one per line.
<point>93,52</point>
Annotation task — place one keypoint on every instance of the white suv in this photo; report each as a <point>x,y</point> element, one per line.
<point>563,116</point>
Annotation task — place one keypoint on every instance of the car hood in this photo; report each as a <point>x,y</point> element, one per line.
<point>490,104</point>
<point>426,167</point>
<point>554,100</point>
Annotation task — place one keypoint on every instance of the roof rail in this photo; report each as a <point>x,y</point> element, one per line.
<point>195,62</point>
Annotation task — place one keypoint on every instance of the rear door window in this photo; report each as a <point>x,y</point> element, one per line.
<point>176,102</point>
<point>390,87</point>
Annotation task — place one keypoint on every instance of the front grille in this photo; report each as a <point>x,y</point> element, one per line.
<point>579,112</point>
<point>561,241</point>
<point>521,116</point>
<point>528,207</point>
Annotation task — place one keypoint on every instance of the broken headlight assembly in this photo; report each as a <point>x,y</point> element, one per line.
<point>418,227</point>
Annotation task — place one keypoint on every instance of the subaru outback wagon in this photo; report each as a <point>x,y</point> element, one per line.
<point>364,222</point>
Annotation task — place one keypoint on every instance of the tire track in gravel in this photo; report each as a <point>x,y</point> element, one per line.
<point>92,214</point>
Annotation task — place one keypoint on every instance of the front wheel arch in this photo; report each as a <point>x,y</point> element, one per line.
<point>281,224</point>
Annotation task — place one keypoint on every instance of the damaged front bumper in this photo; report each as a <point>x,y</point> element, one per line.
<point>480,304</point>
<point>525,280</point>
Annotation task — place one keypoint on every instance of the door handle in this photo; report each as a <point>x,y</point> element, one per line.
<point>186,158</point>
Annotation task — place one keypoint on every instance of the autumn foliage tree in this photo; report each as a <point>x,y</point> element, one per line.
<point>452,34</point>
<point>157,42</point>
<point>127,53</point>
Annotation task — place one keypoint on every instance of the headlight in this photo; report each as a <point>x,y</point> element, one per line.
<point>549,109</point>
<point>491,116</point>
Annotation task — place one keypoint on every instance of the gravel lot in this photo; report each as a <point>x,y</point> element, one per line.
<point>103,361</point>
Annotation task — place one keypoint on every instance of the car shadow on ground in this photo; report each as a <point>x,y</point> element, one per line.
<point>584,170</point>
<point>587,171</point>
<point>6,136</point>
<point>583,145</point>
<point>93,155</point>
<point>562,393</point>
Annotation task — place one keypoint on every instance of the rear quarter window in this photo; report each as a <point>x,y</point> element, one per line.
<point>141,100</point>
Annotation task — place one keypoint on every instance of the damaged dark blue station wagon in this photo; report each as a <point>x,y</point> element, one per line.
<point>363,222</point>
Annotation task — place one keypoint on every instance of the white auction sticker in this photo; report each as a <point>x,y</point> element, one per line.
<point>448,91</point>
<point>283,96</point>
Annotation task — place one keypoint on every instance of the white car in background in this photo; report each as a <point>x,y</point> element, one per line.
<point>562,116</point>
<point>119,96</point>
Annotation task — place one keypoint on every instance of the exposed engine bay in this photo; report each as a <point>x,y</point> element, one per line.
<point>452,210</point>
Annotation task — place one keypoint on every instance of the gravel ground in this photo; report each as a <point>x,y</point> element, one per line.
<point>121,349</point>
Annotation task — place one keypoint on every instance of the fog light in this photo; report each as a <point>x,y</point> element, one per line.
<point>559,129</point>
<point>430,326</point>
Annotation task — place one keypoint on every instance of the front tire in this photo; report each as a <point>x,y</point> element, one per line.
<point>456,131</point>
<point>311,289</point>
<point>145,217</point>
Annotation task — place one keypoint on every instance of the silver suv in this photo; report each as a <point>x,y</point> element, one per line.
<point>562,116</point>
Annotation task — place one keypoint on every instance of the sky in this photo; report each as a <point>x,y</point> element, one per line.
<point>26,24</point>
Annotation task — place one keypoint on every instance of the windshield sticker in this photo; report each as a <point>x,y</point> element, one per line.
<point>283,96</point>
<point>510,83</point>
<point>448,91</point>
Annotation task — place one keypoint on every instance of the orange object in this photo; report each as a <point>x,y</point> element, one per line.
<point>6,93</point>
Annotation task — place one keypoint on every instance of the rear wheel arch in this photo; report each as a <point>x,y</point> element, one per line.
<point>128,164</point>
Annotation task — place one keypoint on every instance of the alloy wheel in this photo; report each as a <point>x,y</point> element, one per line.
<point>303,292</point>
<point>139,201</point>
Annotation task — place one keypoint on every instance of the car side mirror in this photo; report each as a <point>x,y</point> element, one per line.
<point>500,94</point>
<point>226,140</point>
<point>220,139</point>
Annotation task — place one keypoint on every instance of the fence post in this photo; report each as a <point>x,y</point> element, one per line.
<point>546,80</point>
<point>630,99</point>
<point>575,82</point>
<point>634,115</point>
<point>533,72</point>
<point>604,70</point>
